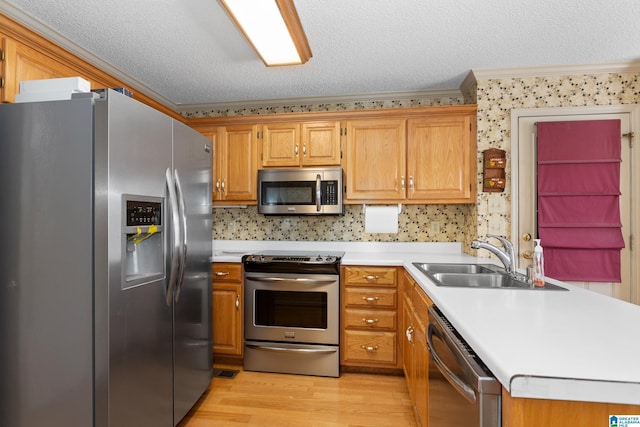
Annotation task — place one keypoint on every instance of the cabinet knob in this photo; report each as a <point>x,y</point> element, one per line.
<point>402,182</point>
<point>296,149</point>
<point>526,237</point>
<point>370,277</point>
<point>369,321</point>
<point>370,299</point>
<point>222,273</point>
<point>411,187</point>
<point>369,348</point>
<point>237,302</point>
<point>527,254</point>
<point>304,149</point>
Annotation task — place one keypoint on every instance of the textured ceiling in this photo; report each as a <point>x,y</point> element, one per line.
<point>187,52</point>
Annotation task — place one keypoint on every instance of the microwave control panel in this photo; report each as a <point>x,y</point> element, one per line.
<point>330,192</point>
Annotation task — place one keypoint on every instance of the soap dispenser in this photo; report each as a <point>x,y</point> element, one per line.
<point>538,264</point>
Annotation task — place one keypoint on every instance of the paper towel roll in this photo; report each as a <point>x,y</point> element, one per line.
<point>381,219</point>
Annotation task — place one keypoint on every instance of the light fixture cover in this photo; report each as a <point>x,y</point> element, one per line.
<point>273,28</point>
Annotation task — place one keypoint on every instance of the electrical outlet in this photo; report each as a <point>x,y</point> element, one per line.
<point>435,227</point>
<point>496,205</point>
<point>497,228</point>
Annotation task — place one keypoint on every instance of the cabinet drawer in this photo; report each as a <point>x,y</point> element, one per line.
<point>370,319</point>
<point>370,297</point>
<point>227,272</point>
<point>371,346</point>
<point>370,276</point>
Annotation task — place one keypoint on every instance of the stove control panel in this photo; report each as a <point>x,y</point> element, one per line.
<point>323,259</point>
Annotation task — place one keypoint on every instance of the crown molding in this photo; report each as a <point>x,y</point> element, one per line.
<point>67,44</point>
<point>319,100</point>
<point>553,70</point>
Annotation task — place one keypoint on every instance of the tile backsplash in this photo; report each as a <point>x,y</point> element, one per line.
<point>416,223</point>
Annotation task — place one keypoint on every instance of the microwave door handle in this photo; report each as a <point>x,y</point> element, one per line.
<point>462,388</point>
<point>318,192</point>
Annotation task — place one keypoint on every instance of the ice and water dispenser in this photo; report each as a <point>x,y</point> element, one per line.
<point>143,240</point>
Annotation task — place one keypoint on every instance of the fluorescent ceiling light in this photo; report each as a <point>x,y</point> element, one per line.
<point>273,29</point>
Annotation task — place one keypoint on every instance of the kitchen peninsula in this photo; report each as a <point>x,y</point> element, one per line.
<point>570,346</point>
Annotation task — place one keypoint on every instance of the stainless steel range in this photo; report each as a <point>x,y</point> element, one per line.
<point>292,309</point>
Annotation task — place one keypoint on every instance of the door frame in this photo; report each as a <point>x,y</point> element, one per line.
<point>634,115</point>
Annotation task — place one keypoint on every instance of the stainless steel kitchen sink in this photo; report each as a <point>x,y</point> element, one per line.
<point>483,276</point>
<point>456,268</point>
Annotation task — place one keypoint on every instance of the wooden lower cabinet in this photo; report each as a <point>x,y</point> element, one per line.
<point>228,309</point>
<point>368,321</point>
<point>415,356</point>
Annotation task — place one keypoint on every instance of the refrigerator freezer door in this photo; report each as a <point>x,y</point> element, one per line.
<point>193,356</point>
<point>46,277</point>
<point>133,321</point>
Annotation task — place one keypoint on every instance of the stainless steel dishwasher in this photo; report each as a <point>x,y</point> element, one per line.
<point>462,390</point>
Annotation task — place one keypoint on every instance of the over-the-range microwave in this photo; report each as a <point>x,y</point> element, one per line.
<point>317,191</point>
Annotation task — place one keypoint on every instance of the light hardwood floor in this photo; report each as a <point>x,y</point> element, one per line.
<point>265,399</point>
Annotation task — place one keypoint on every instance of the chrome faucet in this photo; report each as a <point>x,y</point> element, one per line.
<point>507,255</point>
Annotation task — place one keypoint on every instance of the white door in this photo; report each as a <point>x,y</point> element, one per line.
<point>524,187</point>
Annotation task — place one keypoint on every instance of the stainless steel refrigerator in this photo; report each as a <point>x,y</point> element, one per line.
<point>105,251</point>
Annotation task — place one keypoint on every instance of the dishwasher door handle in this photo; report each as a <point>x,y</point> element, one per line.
<point>465,390</point>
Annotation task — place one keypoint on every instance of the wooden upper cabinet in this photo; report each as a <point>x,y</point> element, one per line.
<point>321,143</point>
<point>21,62</point>
<point>234,163</point>
<point>375,159</point>
<point>441,158</point>
<point>280,144</point>
<point>301,144</point>
<point>238,163</point>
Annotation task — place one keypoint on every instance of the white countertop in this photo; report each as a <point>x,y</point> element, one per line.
<point>575,345</point>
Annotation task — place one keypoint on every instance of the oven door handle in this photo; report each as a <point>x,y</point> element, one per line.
<point>291,281</point>
<point>465,390</point>
<point>291,350</point>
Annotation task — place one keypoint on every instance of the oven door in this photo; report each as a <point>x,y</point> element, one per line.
<point>285,307</point>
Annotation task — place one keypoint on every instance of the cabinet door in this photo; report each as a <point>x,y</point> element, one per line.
<point>227,329</point>
<point>408,339</point>
<point>237,163</point>
<point>212,135</point>
<point>439,159</point>
<point>24,63</point>
<point>281,144</point>
<point>321,144</point>
<point>421,374</point>
<point>375,159</point>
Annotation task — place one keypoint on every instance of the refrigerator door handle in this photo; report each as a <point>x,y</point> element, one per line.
<point>175,236</point>
<point>183,249</point>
